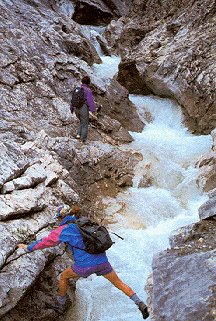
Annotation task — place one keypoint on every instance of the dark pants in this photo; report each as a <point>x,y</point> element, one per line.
<point>83,116</point>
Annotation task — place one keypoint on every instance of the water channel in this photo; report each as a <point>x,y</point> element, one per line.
<point>145,216</point>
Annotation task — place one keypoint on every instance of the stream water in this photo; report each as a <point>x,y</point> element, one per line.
<point>145,216</point>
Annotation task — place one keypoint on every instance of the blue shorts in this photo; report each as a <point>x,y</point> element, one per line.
<point>100,269</point>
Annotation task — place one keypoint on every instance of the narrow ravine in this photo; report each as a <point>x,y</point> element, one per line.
<point>164,197</point>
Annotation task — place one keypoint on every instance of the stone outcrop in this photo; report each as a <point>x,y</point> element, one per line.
<point>182,286</point>
<point>163,52</point>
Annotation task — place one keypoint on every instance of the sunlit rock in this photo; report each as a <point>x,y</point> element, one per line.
<point>208,209</point>
<point>12,161</point>
<point>21,202</point>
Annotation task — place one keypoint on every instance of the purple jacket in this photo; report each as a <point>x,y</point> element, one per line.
<point>89,97</point>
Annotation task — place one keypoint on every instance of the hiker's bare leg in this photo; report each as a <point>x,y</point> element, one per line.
<point>64,278</point>
<point>114,279</point>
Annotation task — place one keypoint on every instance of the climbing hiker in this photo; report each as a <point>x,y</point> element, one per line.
<point>85,264</point>
<point>83,102</point>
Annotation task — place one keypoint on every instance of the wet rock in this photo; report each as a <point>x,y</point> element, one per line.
<point>118,104</point>
<point>207,165</point>
<point>146,179</point>
<point>207,174</point>
<point>104,46</point>
<point>208,209</point>
<point>112,34</point>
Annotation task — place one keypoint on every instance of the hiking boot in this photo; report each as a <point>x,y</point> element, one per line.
<point>144,310</point>
<point>59,305</point>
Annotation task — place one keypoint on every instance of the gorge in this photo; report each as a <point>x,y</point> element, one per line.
<point>147,171</point>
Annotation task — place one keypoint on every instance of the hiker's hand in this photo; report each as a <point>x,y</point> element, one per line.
<point>91,114</point>
<point>22,246</point>
<point>71,109</point>
<point>99,108</point>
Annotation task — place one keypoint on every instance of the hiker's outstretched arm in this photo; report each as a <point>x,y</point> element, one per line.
<point>49,241</point>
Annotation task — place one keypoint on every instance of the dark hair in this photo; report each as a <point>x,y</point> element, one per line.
<point>75,210</point>
<point>86,80</point>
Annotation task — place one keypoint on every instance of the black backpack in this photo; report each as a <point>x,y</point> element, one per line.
<point>78,97</point>
<point>96,238</point>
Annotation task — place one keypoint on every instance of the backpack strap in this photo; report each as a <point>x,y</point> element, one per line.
<point>72,222</point>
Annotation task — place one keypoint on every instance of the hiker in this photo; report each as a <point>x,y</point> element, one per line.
<point>85,264</point>
<point>82,112</point>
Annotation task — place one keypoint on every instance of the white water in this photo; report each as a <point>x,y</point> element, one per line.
<point>145,217</point>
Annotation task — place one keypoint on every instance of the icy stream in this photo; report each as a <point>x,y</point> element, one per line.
<point>145,216</point>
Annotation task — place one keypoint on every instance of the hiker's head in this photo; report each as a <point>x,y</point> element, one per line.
<point>75,210</point>
<point>65,210</point>
<point>86,80</point>
<point>62,211</point>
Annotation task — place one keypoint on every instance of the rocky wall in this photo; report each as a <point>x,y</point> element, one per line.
<point>31,190</point>
<point>168,49</point>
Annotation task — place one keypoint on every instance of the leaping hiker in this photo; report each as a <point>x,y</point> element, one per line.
<point>70,232</point>
<point>82,102</point>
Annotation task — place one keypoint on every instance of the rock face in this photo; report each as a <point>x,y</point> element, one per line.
<point>29,198</point>
<point>183,281</point>
<point>163,52</point>
<point>43,57</point>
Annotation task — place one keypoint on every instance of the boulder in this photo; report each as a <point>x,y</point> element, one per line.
<point>183,286</point>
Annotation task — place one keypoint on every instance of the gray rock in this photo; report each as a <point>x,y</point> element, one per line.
<point>21,202</point>
<point>184,286</point>
<point>208,209</point>
<point>12,161</point>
